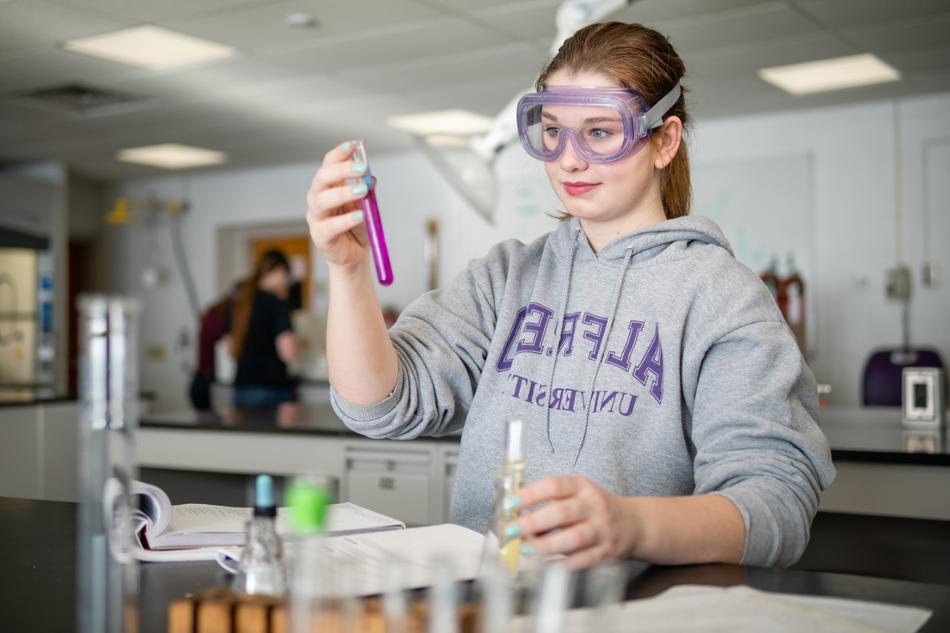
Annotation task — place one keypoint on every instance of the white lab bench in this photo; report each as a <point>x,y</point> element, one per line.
<point>879,471</point>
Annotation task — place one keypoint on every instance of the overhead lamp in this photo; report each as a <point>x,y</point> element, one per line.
<point>441,122</point>
<point>826,75</point>
<point>150,47</point>
<point>172,156</point>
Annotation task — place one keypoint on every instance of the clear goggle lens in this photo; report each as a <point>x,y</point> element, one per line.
<point>596,131</point>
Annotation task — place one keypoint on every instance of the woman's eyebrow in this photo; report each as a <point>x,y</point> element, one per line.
<point>593,119</point>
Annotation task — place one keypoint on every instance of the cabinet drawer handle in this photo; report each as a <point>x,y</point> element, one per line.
<point>387,483</point>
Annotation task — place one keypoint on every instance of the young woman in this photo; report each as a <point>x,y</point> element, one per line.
<point>670,415</point>
<point>262,338</point>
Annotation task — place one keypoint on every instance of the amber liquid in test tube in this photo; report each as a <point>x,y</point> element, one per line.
<point>512,480</point>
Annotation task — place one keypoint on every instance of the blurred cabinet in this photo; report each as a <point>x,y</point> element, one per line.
<point>38,451</point>
<point>406,480</point>
<point>397,483</point>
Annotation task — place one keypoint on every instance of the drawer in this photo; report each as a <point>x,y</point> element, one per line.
<point>393,483</point>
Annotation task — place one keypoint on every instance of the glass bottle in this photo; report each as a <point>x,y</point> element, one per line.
<point>107,574</point>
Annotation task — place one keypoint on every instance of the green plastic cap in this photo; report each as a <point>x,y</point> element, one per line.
<point>308,506</point>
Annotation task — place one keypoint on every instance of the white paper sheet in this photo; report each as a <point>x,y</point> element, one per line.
<point>412,551</point>
<point>696,609</point>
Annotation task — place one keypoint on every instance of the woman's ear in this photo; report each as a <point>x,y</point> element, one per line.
<point>666,141</point>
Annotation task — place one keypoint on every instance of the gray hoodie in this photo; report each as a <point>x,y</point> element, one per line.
<point>674,374</point>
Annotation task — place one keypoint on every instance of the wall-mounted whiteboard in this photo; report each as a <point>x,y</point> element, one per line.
<point>765,206</point>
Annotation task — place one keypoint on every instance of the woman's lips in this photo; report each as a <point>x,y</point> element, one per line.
<point>579,188</point>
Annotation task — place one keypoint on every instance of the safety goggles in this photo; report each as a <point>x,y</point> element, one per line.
<point>604,124</point>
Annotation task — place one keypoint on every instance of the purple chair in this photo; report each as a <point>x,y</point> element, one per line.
<point>882,383</point>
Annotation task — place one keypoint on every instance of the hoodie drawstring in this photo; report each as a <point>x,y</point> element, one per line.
<point>615,304</point>
<point>558,323</point>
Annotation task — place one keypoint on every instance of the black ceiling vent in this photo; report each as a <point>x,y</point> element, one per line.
<point>78,97</point>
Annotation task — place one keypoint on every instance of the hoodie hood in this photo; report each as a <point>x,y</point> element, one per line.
<point>646,243</point>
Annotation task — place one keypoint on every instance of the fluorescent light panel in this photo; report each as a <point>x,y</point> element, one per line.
<point>439,122</point>
<point>172,156</point>
<point>830,74</point>
<point>149,47</point>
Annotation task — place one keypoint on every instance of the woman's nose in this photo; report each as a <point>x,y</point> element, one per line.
<point>570,160</point>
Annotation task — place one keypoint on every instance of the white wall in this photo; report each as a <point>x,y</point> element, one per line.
<point>851,148</point>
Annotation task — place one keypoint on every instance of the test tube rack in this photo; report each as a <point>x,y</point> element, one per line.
<point>219,610</point>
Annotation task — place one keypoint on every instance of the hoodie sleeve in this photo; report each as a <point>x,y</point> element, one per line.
<point>754,426</point>
<point>441,341</point>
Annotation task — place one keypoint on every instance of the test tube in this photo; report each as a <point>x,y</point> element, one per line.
<point>512,479</point>
<point>372,221</point>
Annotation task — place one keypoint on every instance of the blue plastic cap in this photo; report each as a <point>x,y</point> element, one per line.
<point>264,492</point>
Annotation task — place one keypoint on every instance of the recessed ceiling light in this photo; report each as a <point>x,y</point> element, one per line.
<point>149,47</point>
<point>300,20</point>
<point>830,74</point>
<point>172,156</point>
<point>447,140</point>
<point>441,122</point>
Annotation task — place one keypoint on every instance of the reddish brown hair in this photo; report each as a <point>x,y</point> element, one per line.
<point>244,300</point>
<point>640,58</point>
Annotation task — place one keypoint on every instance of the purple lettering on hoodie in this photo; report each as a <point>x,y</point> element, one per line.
<point>566,344</point>
<point>596,335</point>
<point>538,328</point>
<point>504,361</point>
<point>652,363</point>
<point>623,361</point>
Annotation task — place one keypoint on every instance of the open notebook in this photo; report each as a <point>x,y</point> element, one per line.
<point>161,526</point>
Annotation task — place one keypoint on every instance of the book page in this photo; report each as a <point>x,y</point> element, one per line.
<point>196,524</point>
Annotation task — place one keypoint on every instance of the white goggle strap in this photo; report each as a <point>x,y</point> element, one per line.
<point>653,117</point>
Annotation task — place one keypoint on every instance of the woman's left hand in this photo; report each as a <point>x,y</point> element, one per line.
<point>580,520</point>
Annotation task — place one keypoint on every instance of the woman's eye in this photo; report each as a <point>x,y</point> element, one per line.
<point>552,130</point>
<point>600,133</point>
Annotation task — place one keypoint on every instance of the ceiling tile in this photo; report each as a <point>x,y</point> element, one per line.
<point>50,67</point>
<point>37,24</point>
<point>382,47</point>
<point>752,24</point>
<point>907,34</point>
<point>512,60</point>
<point>524,21</point>
<point>746,59</point>
<point>649,11</point>
<point>262,28</point>
<point>846,13</point>
<point>152,10</point>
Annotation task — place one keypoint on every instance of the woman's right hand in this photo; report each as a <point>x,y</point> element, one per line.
<point>333,209</point>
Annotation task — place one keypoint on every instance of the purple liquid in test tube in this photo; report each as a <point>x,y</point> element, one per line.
<point>372,221</point>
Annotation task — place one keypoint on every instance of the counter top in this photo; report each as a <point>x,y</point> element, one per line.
<point>304,418</point>
<point>857,434</point>
<point>875,434</point>
<point>38,585</point>
<point>13,395</point>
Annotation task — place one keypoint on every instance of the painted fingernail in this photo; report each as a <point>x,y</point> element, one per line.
<point>345,147</point>
<point>512,530</point>
<point>512,502</point>
<point>528,549</point>
<point>357,216</point>
<point>359,167</point>
<point>359,190</point>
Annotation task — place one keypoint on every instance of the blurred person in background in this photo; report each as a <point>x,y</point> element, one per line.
<point>262,338</point>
